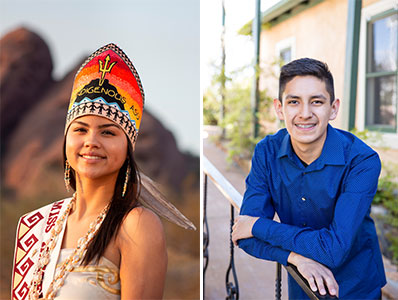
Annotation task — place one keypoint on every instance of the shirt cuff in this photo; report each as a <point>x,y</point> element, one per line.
<point>263,250</point>
<point>260,228</point>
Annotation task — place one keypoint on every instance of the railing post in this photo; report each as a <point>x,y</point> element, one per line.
<point>232,290</point>
<point>278,283</point>
<point>205,234</point>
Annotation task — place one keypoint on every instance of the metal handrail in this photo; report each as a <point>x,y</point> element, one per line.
<point>235,200</point>
<point>225,187</point>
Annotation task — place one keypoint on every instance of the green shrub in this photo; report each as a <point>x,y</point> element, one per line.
<point>393,248</point>
<point>211,108</point>
<point>239,120</point>
<point>373,137</point>
<point>387,196</point>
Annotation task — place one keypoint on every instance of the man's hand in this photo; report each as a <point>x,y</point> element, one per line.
<point>242,228</point>
<point>315,273</point>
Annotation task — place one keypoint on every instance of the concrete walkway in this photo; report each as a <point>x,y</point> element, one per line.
<point>256,277</point>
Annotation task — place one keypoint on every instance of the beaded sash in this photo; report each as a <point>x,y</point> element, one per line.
<point>33,229</point>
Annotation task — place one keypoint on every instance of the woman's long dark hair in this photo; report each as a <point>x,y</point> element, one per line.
<point>118,209</point>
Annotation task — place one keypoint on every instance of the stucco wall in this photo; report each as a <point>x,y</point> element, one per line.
<point>320,33</point>
<point>368,2</point>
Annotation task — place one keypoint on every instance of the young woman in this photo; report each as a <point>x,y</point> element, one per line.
<point>102,243</point>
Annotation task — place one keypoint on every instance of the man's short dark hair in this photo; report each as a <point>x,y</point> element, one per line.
<point>305,67</point>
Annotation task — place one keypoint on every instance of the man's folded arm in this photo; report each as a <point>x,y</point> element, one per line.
<point>257,203</point>
<point>250,207</point>
<point>263,250</point>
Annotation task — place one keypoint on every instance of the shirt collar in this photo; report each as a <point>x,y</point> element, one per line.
<point>286,148</point>
<point>332,152</point>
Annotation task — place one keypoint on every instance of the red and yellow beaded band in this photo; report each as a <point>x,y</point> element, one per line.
<point>108,85</point>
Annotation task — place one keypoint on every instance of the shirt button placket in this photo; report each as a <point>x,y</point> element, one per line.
<point>303,223</point>
<point>301,217</point>
<point>303,200</point>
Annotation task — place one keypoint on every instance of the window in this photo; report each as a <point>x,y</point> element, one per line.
<point>382,72</point>
<point>285,55</point>
<point>285,50</point>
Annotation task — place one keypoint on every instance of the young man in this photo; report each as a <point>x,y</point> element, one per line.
<point>321,182</point>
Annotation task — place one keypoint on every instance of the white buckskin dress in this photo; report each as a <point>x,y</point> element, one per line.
<point>94,281</point>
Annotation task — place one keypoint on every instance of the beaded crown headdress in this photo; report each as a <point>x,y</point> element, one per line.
<point>108,85</point>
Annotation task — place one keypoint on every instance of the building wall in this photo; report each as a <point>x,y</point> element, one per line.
<point>368,2</point>
<point>319,32</point>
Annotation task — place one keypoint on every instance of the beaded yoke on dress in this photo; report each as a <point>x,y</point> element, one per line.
<point>94,281</point>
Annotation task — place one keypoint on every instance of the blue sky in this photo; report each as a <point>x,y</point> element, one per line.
<point>160,37</point>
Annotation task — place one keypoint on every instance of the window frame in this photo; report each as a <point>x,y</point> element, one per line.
<point>379,74</point>
<point>286,44</point>
<point>372,13</point>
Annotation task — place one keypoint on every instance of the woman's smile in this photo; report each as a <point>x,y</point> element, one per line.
<point>92,157</point>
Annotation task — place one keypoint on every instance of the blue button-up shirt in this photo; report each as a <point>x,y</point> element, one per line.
<point>323,209</point>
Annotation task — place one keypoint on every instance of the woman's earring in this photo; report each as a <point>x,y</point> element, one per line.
<point>126,181</point>
<point>67,175</point>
